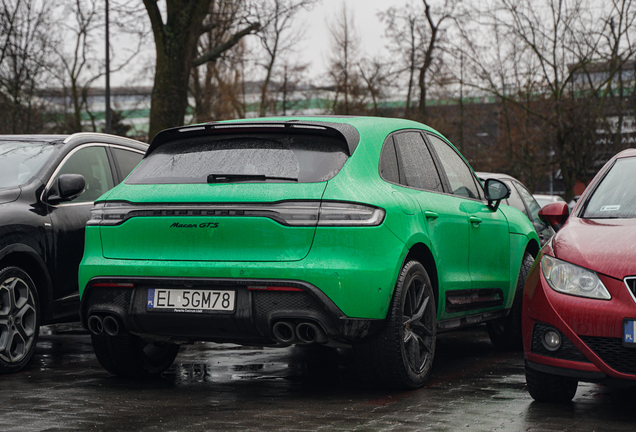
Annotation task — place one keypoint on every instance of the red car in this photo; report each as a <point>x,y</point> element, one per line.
<point>579,303</point>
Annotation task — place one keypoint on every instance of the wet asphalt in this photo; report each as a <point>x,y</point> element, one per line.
<point>474,387</point>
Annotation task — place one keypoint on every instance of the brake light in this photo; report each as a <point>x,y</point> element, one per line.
<point>272,288</point>
<point>114,284</point>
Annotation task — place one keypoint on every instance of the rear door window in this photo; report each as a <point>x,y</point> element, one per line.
<point>126,160</point>
<point>417,168</point>
<point>275,158</point>
<point>460,176</point>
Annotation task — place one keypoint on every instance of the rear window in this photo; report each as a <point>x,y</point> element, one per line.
<point>270,158</point>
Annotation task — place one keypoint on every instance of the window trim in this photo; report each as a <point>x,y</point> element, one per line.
<point>436,162</point>
<point>49,183</point>
<point>447,186</point>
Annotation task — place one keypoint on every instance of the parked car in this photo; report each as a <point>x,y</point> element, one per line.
<point>521,199</point>
<point>579,306</point>
<point>573,202</point>
<point>47,188</point>
<point>544,199</point>
<point>368,233</point>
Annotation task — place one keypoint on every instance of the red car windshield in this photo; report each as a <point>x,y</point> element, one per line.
<point>615,196</point>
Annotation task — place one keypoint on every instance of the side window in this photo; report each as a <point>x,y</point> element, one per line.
<point>459,175</point>
<point>514,200</point>
<point>126,160</point>
<point>416,165</point>
<point>388,162</point>
<point>92,163</point>
<point>531,203</point>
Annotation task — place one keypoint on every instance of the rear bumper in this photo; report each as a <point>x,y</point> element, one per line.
<point>251,322</point>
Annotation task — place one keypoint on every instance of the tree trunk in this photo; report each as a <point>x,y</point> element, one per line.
<point>175,43</point>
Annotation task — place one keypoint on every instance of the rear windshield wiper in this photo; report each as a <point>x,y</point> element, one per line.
<point>236,178</point>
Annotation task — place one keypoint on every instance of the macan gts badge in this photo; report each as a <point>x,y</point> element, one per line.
<point>364,233</point>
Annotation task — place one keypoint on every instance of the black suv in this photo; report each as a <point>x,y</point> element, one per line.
<point>47,188</point>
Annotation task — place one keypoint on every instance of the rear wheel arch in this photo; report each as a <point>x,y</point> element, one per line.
<point>421,253</point>
<point>26,258</point>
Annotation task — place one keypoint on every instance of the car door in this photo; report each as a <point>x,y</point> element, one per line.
<point>489,245</point>
<point>96,163</point>
<point>440,213</point>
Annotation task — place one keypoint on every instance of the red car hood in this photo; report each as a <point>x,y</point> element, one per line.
<point>607,246</point>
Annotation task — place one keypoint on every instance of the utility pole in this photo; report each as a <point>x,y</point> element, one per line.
<point>107,95</point>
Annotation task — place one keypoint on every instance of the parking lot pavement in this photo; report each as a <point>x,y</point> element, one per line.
<point>474,387</point>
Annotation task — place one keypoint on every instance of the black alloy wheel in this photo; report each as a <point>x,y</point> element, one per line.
<point>19,319</point>
<point>401,355</point>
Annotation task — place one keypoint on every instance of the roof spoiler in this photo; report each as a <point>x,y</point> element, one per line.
<point>339,130</point>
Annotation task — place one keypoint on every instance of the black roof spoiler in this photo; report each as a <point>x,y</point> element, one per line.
<point>340,130</point>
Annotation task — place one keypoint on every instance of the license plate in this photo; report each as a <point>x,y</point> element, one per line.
<point>629,332</point>
<point>190,300</point>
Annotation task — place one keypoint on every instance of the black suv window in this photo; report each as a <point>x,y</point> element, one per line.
<point>126,160</point>
<point>276,157</point>
<point>92,163</point>
<point>459,175</point>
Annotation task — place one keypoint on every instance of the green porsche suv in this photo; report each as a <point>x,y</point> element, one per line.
<point>367,233</point>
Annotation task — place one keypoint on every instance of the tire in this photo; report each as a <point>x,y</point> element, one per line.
<point>545,387</point>
<point>19,319</point>
<point>401,355</point>
<point>505,333</point>
<point>130,356</point>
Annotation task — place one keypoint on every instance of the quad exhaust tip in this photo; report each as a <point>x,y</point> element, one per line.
<point>95,324</point>
<point>284,332</point>
<point>302,333</point>
<point>111,325</point>
<point>105,324</point>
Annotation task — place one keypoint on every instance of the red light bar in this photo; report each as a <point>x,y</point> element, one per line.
<point>272,288</point>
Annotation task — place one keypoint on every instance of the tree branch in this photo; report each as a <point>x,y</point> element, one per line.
<point>215,53</point>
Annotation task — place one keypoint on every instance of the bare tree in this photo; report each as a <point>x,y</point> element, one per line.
<point>343,71</point>
<point>176,40</point>
<point>404,29</point>
<point>277,36</point>
<point>290,76</point>
<point>25,26</point>
<point>375,74</point>
<point>543,58</point>
<point>435,20</point>
<point>217,84</point>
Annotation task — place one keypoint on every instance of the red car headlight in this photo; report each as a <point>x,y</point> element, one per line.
<point>571,279</point>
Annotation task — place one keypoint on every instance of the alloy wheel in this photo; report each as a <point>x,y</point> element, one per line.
<point>418,318</point>
<point>18,318</point>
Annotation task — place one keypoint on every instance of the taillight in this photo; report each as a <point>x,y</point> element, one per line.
<point>114,284</point>
<point>108,213</point>
<point>272,288</point>
<point>334,213</point>
<point>289,213</point>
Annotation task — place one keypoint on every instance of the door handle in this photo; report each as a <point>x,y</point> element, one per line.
<point>475,220</point>
<point>431,214</point>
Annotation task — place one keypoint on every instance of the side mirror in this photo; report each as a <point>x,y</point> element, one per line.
<point>555,214</point>
<point>68,187</point>
<point>495,191</point>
